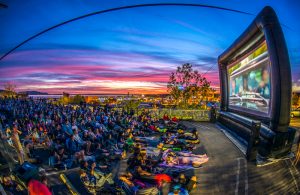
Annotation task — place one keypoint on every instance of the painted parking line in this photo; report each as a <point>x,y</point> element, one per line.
<point>246,176</point>
<point>236,192</point>
<point>293,165</point>
<point>292,174</point>
<point>239,175</point>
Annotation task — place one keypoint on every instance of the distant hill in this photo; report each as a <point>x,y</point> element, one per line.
<point>29,92</point>
<point>34,93</point>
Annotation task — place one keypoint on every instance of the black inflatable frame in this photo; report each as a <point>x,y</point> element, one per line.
<point>275,137</point>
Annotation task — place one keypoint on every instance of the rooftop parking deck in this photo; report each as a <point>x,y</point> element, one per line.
<point>228,171</point>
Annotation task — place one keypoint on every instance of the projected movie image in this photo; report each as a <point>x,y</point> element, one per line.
<point>249,81</point>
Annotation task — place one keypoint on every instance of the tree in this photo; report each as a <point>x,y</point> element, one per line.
<point>173,88</point>
<point>186,84</point>
<point>9,89</point>
<point>77,99</point>
<point>65,99</point>
<point>295,99</point>
<point>131,105</point>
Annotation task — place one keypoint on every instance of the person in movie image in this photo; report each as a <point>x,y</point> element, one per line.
<point>252,82</point>
<point>264,86</point>
<point>233,87</point>
<point>245,84</point>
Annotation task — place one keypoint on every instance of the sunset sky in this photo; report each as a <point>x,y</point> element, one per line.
<point>131,50</point>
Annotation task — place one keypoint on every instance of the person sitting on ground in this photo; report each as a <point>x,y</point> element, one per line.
<point>166,117</point>
<point>82,144</point>
<point>72,145</point>
<point>60,158</point>
<point>186,184</point>
<point>129,143</point>
<point>94,175</point>
<point>35,136</point>
<point>37,188</point>
<point>81,156</point>
<point>174,119</point>
<point>9,184</point>
<point>132,161</point>
<point>67,128</point>
<point>44,181</point>
<point>74,126</point>
<point>85,179</point>
<point>29,157</point>
<point>143,160</point>
<point>127,178</point>
<point>172,159</point>
<point>189,136</point>
<point>140,172</point>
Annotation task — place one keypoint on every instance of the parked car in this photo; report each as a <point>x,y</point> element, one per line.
<point>295,113</point>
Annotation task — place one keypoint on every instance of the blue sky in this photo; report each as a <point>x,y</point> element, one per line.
<point>129,50</point>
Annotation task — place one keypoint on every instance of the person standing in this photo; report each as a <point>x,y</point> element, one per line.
<point>17,144</point>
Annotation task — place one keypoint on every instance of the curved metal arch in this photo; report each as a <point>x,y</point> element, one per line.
<point>117,9</point>
<point>2,5</point>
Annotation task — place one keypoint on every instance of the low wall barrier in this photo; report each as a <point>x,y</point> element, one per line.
<point>195,115</point>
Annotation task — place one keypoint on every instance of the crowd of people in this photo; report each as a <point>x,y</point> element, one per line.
<point>92,137</point>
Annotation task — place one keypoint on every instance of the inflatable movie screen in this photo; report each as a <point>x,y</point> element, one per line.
<point>249,81</point>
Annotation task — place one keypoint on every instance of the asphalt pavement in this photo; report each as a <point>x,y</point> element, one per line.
<point>228,171</point>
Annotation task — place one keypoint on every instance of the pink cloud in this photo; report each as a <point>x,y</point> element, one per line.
<point>55,71</point>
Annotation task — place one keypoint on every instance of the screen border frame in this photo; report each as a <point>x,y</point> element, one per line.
<point>240,108</point>
<point>264,27</point>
